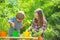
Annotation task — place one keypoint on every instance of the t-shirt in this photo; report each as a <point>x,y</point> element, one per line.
<point>17,25</point>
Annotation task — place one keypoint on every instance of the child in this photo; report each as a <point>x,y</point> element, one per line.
<point>16,23</point>
<point>39,21</point>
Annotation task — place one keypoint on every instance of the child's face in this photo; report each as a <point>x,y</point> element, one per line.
<point>36,16</point>
<point>19,20</point>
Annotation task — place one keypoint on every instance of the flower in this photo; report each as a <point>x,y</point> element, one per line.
<point>26,33</point>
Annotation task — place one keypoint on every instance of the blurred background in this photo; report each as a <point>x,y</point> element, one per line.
<point>51,9</point>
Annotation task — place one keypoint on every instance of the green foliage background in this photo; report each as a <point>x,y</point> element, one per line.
<point>51,10</point>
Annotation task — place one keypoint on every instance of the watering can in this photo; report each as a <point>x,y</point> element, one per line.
<point>15,33</point>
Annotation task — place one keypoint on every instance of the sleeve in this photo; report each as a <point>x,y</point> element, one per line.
<point>10,19</point>
<point>44,24</point>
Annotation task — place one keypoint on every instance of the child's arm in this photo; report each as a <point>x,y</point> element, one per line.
<point>11,22</point>
<point>44,25</point>
<point>24,25</point>
<point>30,28</point>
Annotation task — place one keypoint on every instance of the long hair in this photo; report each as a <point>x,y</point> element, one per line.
<point>40,17</point>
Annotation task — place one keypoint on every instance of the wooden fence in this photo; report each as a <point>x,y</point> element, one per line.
<point>19,38</point>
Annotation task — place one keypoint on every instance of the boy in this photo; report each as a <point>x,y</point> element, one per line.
<point>16,23</point>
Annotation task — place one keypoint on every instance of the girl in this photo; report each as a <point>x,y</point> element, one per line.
<point>39,21</point>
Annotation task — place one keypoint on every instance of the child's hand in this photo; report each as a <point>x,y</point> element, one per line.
<point>24,25</point>
<point>43,31</point>
<point>12,24</point>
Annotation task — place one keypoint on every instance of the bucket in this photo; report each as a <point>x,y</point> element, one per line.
<point>2,33</point>
<point>15,33</point>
